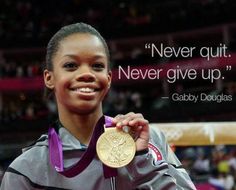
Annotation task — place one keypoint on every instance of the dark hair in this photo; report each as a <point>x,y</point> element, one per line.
<point>66,31</point>
<point>54,43</point>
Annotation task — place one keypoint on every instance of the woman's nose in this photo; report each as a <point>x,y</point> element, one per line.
<point>85,74</point>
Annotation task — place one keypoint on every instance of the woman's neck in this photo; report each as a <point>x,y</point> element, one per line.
<point>80,126</point>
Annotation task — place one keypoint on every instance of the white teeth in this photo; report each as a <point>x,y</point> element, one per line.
<point>85,90</point>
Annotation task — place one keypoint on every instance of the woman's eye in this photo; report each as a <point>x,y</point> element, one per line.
<point>98,66</point>
<point>70,65</point>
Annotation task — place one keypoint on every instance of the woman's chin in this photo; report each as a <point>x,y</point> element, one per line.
<point>85,109</point>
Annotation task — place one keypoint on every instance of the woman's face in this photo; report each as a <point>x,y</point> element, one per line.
<point>80,77</point>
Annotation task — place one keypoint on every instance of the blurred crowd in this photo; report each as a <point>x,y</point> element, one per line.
<point>34,21</point>
<point>13,66</point>
<point>33,105</point>
<point>213,165</point>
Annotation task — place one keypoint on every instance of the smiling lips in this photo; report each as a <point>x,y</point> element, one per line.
<point>85,92</point>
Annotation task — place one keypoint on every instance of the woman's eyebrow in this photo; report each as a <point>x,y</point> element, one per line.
<point>98,56</point>
<point>71,56</point>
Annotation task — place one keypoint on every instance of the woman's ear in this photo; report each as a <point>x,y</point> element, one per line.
<point>109,79</point>
<point>48,79</point>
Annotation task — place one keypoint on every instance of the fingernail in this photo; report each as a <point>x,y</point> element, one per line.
<point>126,129</point>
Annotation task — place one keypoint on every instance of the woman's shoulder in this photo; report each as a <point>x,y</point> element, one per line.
<point>32,157</point>
<point>40,142</point>
<point>31,166</point>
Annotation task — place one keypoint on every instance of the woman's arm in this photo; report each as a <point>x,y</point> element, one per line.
<point>157,168</point>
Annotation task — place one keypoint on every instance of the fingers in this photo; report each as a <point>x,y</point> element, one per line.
<point>136,126</point>
<point>121,120</point>
<point>133,120</point>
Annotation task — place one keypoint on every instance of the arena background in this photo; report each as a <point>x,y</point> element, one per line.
<point>27,25</point>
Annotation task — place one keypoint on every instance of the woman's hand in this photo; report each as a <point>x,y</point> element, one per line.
<point>138,127</point>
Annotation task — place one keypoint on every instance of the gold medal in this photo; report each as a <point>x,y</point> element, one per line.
<point>115,148</point>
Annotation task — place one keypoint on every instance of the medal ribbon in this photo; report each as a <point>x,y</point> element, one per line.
<point>56,152</point>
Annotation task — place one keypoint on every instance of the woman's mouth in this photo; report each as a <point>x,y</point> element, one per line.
<point>85,90</point>
<point>87,93</point>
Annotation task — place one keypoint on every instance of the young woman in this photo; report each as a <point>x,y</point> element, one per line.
<point>77,73</point>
